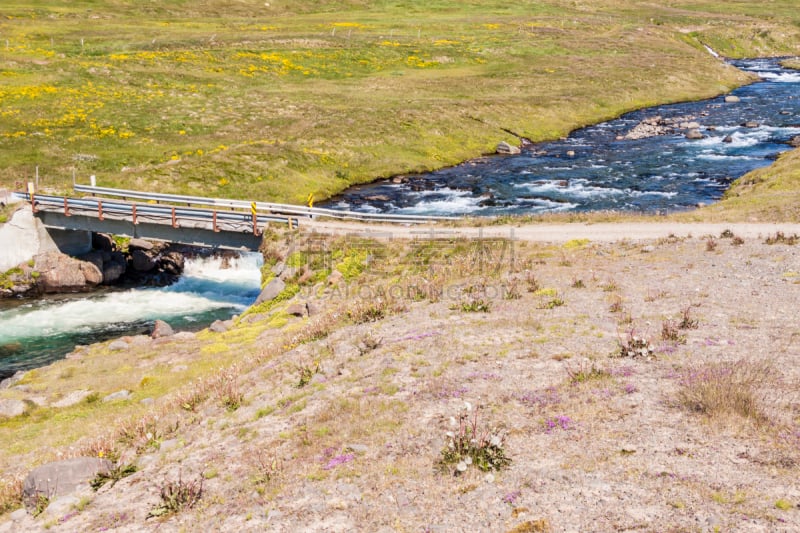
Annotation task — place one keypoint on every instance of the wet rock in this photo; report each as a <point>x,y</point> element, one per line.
<point>12,408</point>
<point>61,478</point>
<point>750,124</point>
<point>113,270</point>
<point>795,141</point>
<point>141,261</point>
<point>731,99</point>
<point>95,258</point>
<point>272,289</point>
<point>278,268</point>
<point>728,139</point>
<point>570,153</point>
<point>377,198</point>
<point>140,244</point>
<point>161,329</point>
<point>784,112</point>
<point>72,398</point>
<point>103,242</point>
<point>507,149</point>
<point>694,134</point>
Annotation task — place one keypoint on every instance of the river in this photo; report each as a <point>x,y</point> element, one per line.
<point>34,333</point>
<point>592,170</point>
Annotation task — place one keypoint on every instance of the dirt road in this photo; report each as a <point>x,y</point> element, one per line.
<point>557,233</point>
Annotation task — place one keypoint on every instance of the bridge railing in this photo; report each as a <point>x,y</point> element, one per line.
<point>164,214</point>
<point>267,207</point>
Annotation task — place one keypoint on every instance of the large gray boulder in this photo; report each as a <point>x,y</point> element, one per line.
<point>731,99</point>
<point>273,289</point>
<point>694,134</point>
<point>11,408</point>
<point>60,478</point>
<point>61,273</point>
<point>795,141</point>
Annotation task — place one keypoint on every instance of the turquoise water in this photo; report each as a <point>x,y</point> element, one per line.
<point>36,332</point>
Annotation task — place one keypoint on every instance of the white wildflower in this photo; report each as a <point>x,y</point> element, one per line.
<point>468,406</point>
<point>461,467</point>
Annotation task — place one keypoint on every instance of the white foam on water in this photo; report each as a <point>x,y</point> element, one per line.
<point>455,202</point>
<point>782,77</point>
<point>638,194</point>
<point>574,188</point>
<point>205,286</point>
<point>720,157</point>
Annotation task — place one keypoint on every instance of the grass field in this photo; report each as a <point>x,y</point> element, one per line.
<point>243,99</point>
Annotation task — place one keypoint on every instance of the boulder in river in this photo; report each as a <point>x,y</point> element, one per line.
<point>61,273</point>
<point>141,261</point>
<point>750,124</point>
<point>140,244</point>
<point>728,139</point>
<point>694,134</point>
<point>508,149</point>
<point>731,99</point>
<point>795,141</point>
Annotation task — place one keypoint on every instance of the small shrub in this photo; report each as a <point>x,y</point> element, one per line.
<point>178,495</point>
<point>737,241</point>
<point>551,304</point>
<point>474,305</point>
<point>635,346</point>
<point>726,234</point>
<point>114,475</point>
<point>578,284</point>
<point>737,388</point>
<point>531,282</point>
<point>267,466</point>
<point>307,374</point>
<point>368,343</point>
<point>511,291</point>
<point>586,372</point>
<point>470,445</point>
<point>616,305</point>
<point>671,332</point>
<point>227,390</point>
<point>780,238</point>
<point>711,245</point>
<point>611,286</point>
<point>687,322</point>
<point>783,505</point>
<point>10,494</point>
<point>40,504</point>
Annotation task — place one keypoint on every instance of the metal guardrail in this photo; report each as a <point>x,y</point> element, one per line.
<point>137,212</point>
<point>271,208</point>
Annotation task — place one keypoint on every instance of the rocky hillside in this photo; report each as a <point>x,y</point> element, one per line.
<point>447,385</point>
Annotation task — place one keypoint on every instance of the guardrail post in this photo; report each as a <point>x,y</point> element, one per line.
<point>133,209</point>
<point>66,208</point>
<point>99,209</point>
<point>255,225</point>
<point>214,222</point>
<point>33,203</point>
<point>174,219</point>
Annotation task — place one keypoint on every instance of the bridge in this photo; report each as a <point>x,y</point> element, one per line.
<point>193,220</point>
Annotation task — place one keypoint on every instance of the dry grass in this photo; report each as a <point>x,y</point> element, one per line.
<point>721,390</point>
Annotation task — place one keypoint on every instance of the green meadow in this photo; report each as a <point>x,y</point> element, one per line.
<point>277,100</point>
